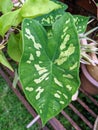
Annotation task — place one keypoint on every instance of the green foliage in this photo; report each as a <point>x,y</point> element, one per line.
<point>48,59</point>
<point>13,18</point>
<point>14,48</point>
<point>34,8</point>
<point>6,6</point>
<point>50,66</point>
<point>81,23</point>
<point>8,20</point>
<point>4,61</point>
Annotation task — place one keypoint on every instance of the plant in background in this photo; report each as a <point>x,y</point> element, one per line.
<point>89,48</point>
<point>47,47</point>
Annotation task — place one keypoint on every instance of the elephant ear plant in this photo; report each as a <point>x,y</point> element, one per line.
<point>49,67</point>
<point>50,56</point>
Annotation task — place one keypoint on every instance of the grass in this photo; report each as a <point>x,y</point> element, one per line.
<point>13,115</point>
<point>76,118</point>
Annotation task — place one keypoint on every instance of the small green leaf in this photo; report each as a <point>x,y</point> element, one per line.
<point>81,23</point>
<point>6,6</point>
<point>9,19</point>
<point>14,48</point>
<point>4,61</point>
<point>49,69</point>
<point>34,8</point>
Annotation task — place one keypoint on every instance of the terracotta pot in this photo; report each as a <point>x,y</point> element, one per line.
<point>88,83</point>
<point>96,124</point>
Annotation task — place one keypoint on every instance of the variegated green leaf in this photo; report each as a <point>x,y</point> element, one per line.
<point>81,23</point>
<point>50,18</point>
<point>49,68</point>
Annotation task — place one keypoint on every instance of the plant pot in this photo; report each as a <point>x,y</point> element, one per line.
<point>88,83</point>
<point>96,124</point>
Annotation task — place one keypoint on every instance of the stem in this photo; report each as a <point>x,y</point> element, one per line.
<point>33,121</point>
<point>91,21</point>
<point>88,59</point>
<point>92,30</point>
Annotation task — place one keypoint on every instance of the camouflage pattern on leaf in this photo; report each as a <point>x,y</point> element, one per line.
<point>81,23</point>
<point>50,18</point>
<point>49,69</point>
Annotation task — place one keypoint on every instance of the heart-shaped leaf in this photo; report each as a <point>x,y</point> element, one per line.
<point>49,68</point>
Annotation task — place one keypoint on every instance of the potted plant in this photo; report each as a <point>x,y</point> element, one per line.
<point>89,75</point>
<point>46,44</point>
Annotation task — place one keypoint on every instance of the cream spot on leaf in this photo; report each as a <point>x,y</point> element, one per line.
<point>38,53</point>
<point>67,21</point>
<point>74,66</point>
<point>40,79</point>
<point>40,111</point>
<point>59,92</point>
<point>63,44</point>
<point>28,24</point>
<point>57,95</point>
<point>68,76</point>
<point>30,36</point>
<point>65,96</point>
<point>29,89</point>
<point>31,57</point>
<point>58,82</point>
<point>39,90</point>
<point>64,55</point>
<point>40,69</point>
<point>28,61</point>
<point>69,87</point>
<point>62,102</point>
